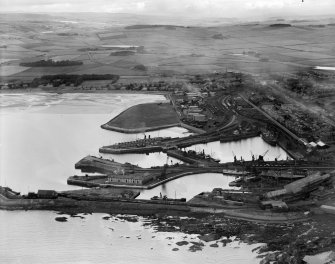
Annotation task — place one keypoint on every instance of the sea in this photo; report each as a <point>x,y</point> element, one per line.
<point>42,136</point>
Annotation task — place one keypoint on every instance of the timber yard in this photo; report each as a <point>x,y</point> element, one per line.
<point>221,107</point>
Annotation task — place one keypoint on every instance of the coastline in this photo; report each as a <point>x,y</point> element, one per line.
<point>137,130</point>
<point>135,208</point>
<point>71,90</point>
<point>145,207</point>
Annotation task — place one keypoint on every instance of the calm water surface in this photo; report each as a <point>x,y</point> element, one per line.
<point>42,136</point>
<point>35,237</point>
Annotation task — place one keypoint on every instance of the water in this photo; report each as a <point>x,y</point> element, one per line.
<point>325,68</point>
<point>325,257</point>
<point>42,136</point>
<point>244,148</point>
<point>35,237</point>
<point>189,186</point>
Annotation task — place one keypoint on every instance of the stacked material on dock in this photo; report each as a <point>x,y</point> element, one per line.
<point>307,184</point>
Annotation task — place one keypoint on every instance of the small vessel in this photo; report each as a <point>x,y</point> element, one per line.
<point>239,181</point>
<point>236,183</point>
<point>165,198</point>
<point>234,172</point>
<point>269,137</point>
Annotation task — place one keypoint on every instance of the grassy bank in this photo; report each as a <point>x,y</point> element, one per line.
<point>144,117</point>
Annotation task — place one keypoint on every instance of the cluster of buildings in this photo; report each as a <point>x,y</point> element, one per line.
<point>190,105</point>
<point>303,125</point>
<point>149,86</point>
<point>307,126</point>
<point>14,85</point>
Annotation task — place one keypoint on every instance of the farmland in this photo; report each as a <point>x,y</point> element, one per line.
<point>256,48</point>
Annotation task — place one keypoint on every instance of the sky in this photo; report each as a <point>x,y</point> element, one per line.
<point>189,8</point>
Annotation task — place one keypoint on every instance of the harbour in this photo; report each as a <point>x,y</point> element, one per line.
<point>155,132</point>
<point>56,177</point>
<point>127,178</point>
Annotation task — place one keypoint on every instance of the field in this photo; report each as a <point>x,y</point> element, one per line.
<point>9,70</point>
<point>145,116</point>
<point>186,49</point>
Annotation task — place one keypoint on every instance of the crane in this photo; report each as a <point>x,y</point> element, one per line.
<point>252,155</point>
<point>266,152</point>
<point>234,156</point>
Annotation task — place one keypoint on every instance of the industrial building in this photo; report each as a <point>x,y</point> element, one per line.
<point>130,179</point>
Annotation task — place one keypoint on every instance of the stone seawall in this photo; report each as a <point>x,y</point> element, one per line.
<point>139,207</point>
<point>138,130</point>
<point>143,207</point>
<point>225,139</point>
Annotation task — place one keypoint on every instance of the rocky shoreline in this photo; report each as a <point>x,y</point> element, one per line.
<point>281,243</point>
<point>284,243</point>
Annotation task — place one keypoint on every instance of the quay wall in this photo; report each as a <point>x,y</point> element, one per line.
<point>109,150</point>
<point>141,207</point>
<point>137,130</point>
<point>200,140</point>
<point>182,158</point>
<point>283,146</point>
<point>193,129</point>
<point>82,183</point>
<point>224,139</point>
<point>180,142</point>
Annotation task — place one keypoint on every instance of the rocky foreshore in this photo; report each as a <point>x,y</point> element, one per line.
<point>283,243</point>
<point>280,243</point>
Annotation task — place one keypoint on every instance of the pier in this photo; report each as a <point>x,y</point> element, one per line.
<point>92,204</point>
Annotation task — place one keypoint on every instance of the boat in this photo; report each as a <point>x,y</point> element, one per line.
<point>239,181</point>
<point>269,137</point>
<point>235,172</point>
<point>236,183</point>
<point>165,198</point>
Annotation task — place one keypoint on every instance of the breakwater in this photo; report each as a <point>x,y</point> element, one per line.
<point>110,206</point>
<point>162,144</point>
<point>142,207</point>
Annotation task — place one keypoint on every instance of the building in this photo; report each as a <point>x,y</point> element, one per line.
<point>130,179</point>
<point>200,117</point>
<point>47,194</point>
<point>197,117</point>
